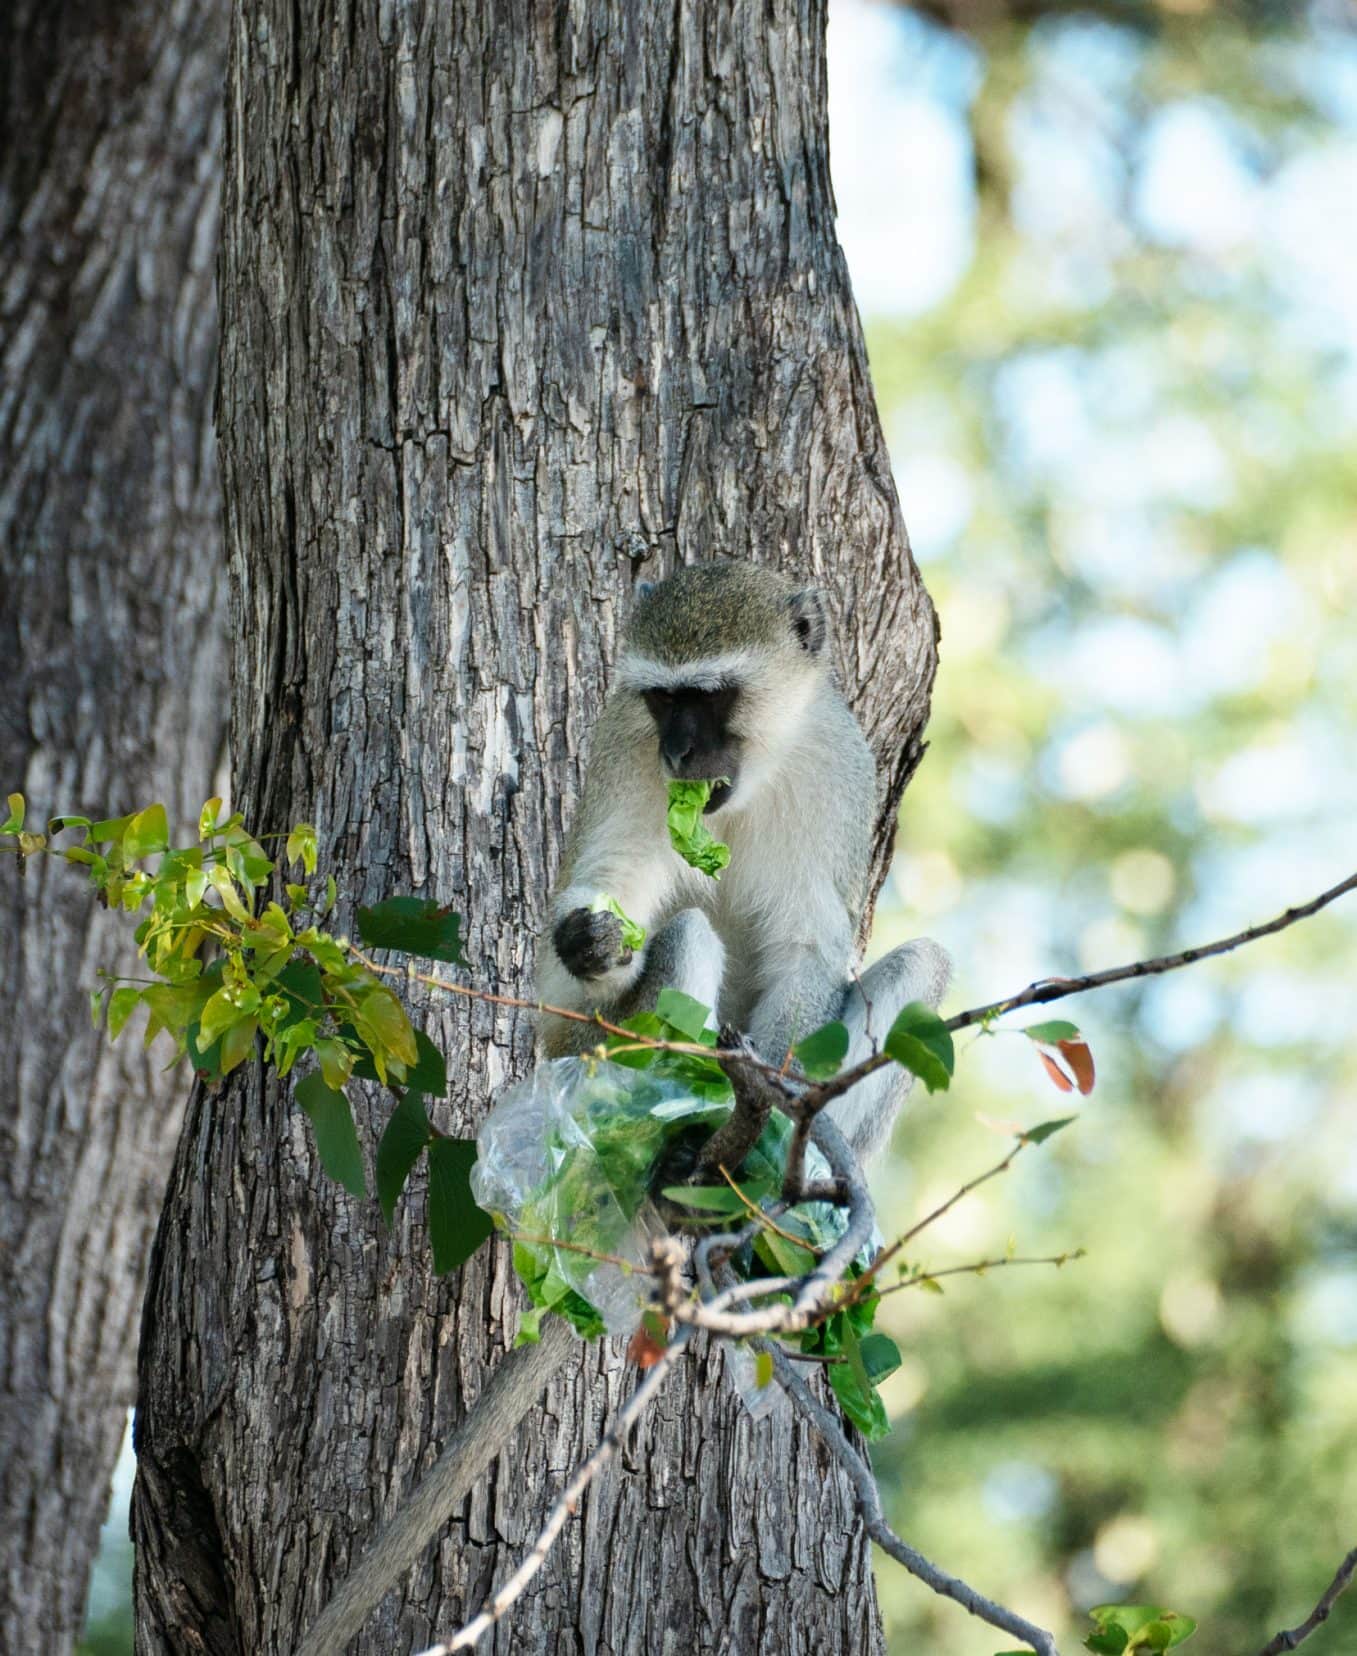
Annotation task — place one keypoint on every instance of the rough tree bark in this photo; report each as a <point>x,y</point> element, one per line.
<point>518,303</point>
<point>114,694</point>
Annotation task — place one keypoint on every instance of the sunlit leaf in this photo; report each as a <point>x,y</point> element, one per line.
<point>122,1003</point>
<point>147,833</point>
<point>336,1061</point>
<point>822,1054</point>
<point>302,847</point>
<point>685,1013</point>
<point>920,1042</point>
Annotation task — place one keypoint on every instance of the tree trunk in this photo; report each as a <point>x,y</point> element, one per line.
<point>114,676</point>
<point>517,304</point>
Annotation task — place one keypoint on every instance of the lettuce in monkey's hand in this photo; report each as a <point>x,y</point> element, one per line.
<point>633,933</point>
<point>688,834</point>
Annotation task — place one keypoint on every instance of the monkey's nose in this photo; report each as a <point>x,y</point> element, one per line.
<point>677,752</point>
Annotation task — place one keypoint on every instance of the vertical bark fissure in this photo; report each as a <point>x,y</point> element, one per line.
<point>518,303</point>
<point>111,635</point>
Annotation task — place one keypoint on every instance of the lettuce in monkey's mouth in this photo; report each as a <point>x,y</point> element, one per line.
<point>689,835</point>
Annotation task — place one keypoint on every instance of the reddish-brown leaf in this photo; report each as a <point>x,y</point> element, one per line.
<point>1079,1056</point>
<point>644,1348</point>
<point>1055,1072</point>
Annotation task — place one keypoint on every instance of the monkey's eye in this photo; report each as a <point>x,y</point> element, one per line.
<point>658,702</point>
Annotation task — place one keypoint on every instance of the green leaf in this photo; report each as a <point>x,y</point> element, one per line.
<point>763,1369</point>
<point>1137,1627</point>
<point>205,1056</point>
<point>230,1005</point>
<point>147,832</point>
<point>686,1014</point>
<point>111,828</point>
<point>1039,1135</point>
<point>122,1003</point>
<point>223,883</point>
<point>457,1227</point>
<point>920,1041</point>
<point>430,1072</point>
<point>381,1021</point>
<point>822,1054</point>
<point>291,1041</point>
<point>302,847</point>
<point>237,1043</point>
<point>689,834</point>
<point>788,1258</point>
<point>96,1006</point>
<point>248,860</point>
<point>336,1138</point>
<point>207,818</point>
<point>855,1391</point>
<point>633,933</point>
<point>1057,1029</point>
<point>880,1356</point>
<point>402,1144</point>
<point>300,982</point>
<point>336,1061</point>
<point>414,925</point>
<point>716,1198</point>
<point>15,820</point>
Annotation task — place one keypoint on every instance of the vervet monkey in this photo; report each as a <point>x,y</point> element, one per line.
<point>725,676</point>
<point>724,673</point>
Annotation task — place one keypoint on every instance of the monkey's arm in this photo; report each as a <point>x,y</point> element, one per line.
<point>618,847</point>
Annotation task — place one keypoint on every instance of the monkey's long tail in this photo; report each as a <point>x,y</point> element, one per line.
<point>510,1392</point>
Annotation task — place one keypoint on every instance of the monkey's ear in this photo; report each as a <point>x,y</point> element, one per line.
<point>810,620</point>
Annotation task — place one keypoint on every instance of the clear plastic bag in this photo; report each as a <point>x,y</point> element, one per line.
<point>566,1156</point>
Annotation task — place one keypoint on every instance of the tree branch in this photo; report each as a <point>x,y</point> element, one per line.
<point>869,1505</point>
<point>1289,1639</point>
<point>1052,989</point>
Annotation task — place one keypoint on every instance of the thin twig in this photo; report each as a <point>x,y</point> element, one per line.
<point>469,992</point>
<point>1290,1638</point>
<point>820,1288</point>
<point>888,1253</point>
<point>869,1505</point>
<point>980,1268</point>
<point>1052,989</point>
<point>764,1220</point>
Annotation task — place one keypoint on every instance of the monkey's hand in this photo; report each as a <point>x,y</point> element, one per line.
<point>589,943</point>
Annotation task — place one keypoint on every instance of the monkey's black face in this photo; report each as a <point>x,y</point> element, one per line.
<point>696,742</point>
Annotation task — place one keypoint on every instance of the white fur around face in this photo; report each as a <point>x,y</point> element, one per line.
<point>638,672</point>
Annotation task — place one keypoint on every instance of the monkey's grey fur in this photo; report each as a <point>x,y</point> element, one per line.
<point>772,943</point>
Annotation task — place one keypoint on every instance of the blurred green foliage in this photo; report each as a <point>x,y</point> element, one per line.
<point>1125,445</point>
